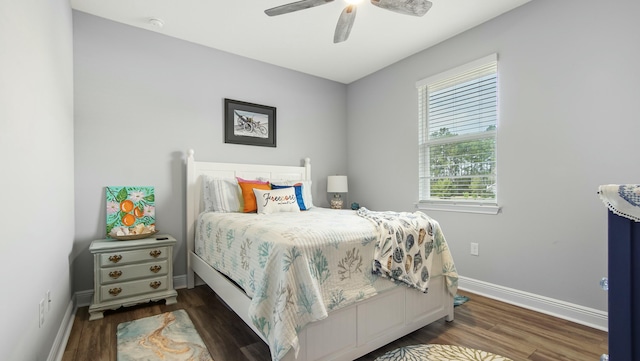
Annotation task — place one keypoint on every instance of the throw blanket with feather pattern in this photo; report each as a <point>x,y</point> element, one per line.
<point>405,246</point>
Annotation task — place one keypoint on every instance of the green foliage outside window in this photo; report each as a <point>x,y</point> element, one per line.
<point>463,169</point>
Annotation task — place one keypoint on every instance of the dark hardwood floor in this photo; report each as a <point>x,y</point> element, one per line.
<point>481,323</point>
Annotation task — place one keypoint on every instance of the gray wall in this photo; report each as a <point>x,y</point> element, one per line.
<point>36,156</point>
<point>568,122</point>
<point>142,99</point>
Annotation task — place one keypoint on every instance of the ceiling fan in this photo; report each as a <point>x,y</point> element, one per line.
<point>348,15</point>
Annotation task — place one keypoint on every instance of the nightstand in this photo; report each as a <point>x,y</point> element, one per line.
<point>131,272</point>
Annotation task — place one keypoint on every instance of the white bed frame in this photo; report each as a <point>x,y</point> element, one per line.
<point>347,333</point>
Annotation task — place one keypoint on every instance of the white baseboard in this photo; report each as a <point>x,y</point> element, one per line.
<point>83,298</point>
<point>62,337</point>
<point>180,281</point>
<point>568,311</point>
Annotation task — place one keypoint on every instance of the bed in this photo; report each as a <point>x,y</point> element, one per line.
<point>343,324</point>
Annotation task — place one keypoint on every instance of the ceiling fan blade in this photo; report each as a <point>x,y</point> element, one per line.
<point>407,7</point>
<point>345,22</point>
<point>298,5</point>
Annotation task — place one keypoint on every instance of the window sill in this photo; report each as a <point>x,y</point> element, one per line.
<point>462,208</point>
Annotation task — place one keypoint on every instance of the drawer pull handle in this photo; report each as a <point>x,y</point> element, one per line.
<point>115,291</point>
<point>115,274</point>
<point>155,253</point>
<point>115,258</point>
<point>155,268</point>
<point>155,284</point>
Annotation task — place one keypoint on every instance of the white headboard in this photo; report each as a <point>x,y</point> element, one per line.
<point>195,171</point>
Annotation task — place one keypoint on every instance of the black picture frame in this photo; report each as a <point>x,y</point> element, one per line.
<point>249,124</point>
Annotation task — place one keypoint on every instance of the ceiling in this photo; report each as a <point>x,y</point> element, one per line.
<point>303,40</point>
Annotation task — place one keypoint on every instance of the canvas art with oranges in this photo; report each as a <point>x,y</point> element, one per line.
<point>131,211</point>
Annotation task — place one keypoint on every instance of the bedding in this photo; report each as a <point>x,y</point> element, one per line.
<point>249,197</point>
<point>298,189</point>
<point>276,200</point>
<point>221,195</point>
<point>404,250</point>
<point>305,190</point>
<point>227,195</point>
<point>297,267</point>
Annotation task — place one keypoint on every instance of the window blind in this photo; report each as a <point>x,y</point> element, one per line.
<point>458,117</point>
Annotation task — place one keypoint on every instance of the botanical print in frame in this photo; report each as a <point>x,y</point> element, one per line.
<point>130,207</point>
<point>250,124</point>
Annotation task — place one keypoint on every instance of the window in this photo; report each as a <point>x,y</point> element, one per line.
<point>458,114</point>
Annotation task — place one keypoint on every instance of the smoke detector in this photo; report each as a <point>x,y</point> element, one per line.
<point>158,23</point>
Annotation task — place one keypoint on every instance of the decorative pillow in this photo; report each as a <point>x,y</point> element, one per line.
<point>306,190</point>
<point>222,195</point>
<point>298,189</point>
<point>248,196</point>
<point>257,181</point>
<point>276,200</point>
<point>306,194</point>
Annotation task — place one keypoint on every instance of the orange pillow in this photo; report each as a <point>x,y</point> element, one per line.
<point>248,196</point>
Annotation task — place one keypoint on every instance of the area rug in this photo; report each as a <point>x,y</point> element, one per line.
<point>170,336</point>
<point>439,353</point>
<point>458,300</point>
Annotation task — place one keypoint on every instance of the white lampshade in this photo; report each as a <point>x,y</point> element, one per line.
<point>337,184</point>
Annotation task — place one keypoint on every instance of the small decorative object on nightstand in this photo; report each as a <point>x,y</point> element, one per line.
<point>337,184</point>
<point>355,206</point>
<point>131,272</point>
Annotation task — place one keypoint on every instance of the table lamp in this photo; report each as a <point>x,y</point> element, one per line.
<point>337,184</point>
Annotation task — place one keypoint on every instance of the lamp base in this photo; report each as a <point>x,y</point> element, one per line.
<point>336,203</point>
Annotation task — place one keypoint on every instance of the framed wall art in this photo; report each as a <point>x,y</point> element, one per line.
<point>248,123</point>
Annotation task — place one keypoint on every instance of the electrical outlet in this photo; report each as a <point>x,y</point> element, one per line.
<point>41,314</point>
<point>474,249</point>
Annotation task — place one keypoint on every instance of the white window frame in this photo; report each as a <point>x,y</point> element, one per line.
<point>458,205</point>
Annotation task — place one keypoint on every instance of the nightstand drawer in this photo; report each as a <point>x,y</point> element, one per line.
<point>123,257</point>
<point>133,271</point>
<point>127,289</point>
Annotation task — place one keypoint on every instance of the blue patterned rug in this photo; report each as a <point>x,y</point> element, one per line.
<point>170,336</point>
<point>458,300</point>
<point>439,353</point>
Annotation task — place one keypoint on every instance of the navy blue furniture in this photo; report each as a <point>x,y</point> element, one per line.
<point>624,289</point>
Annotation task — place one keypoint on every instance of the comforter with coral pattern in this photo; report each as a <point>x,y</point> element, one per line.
<point>296,267</point>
